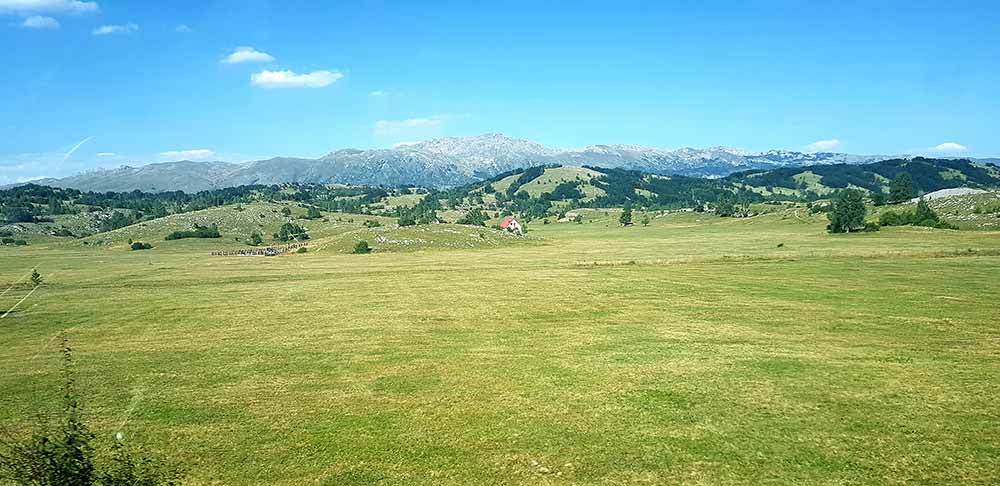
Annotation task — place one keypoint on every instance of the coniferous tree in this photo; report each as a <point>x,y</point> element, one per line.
<point>901,189</point>
<point>626,217</point>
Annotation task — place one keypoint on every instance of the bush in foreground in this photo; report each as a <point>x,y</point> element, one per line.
<point>64,452</point>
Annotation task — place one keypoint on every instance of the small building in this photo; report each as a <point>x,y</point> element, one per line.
<point>510,224</point>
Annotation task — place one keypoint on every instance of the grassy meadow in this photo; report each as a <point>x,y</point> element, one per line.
<point>696,350</point>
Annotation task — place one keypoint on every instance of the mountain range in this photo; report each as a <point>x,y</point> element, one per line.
<point>439,163</point>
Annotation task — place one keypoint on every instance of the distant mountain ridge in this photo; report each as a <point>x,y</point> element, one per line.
<point>440,163</point>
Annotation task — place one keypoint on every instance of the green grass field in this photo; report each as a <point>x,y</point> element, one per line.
<point>696,350</point>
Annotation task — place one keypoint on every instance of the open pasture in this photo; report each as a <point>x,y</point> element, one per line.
<point>696,350</point>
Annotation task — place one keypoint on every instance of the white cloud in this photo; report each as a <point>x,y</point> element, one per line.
<point>378,93</point>
<point>115,29</point>
<point>40,22</point>
<point>949,147</point>
<point>183,29</point>
<point>106,154</point>
<point>28,7</point>
<point>823,145</point>
<point>191,154</point>
<point>290,79</point>
<point>247,54</point>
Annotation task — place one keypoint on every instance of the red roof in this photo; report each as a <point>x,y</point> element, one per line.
<point>506,222</point>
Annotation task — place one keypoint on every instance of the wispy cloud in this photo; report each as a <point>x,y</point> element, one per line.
<point>413,125</point>
<point>378,93</point>
<point>949,147</point>
<point>106,154</point>
<point>247,54</point>
<point>115,29</point>
<point>191,154</point>
<point>29,7</point>
<point>184,29</point>
<point>823,145</point>
<point>75,148</point>
<point>40,22</point>
<point>291,79</point>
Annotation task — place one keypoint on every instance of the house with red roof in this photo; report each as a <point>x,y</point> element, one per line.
<point>510,224</point>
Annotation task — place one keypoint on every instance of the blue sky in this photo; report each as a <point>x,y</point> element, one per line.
<point>148,81</point>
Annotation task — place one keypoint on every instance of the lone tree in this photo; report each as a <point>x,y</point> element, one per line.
<point>901,188</point>
<point>256,239</point>
<point>848,212</point>
<point>626,217</point>
<point>36,278</point>
<point>644,220</point>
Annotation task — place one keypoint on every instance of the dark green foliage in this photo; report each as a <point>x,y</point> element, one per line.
<point>371,223</point>
<point>118,219</point>
<point>925,174</point>
<point>474,217</point>
<point>922,215</point>
<point>362,247</point>
<point>489,189</point>
<point>256,239</point>
<point>848,212</point>
<point>901,189</point>
<point>64,455</point>
<point>18,214</point>
<point>291,232</point>
<point>564,191</point>
<point>528,175</point>
<point>645,220</point>
<point>407,219</point>
<point>302,250</point>
<point>878,198</point>
<point>36,278</point>
<point>313,213</point>
<point>198,231</point>
<point>286,212</point>
<point>626,217</point>
<point>138,245</point>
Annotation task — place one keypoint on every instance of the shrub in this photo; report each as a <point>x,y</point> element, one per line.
<point>197,232</point>
<point>407,220</point>
<point>370,223</point>
<point>255,239</point>
<point>922,215</point>
<point>138,245</point>
<point>362,247</point>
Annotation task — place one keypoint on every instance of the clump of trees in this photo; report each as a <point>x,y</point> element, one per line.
<point>922,215</point>
<point>848,212</point>
<point>66,452</point>
<point>475,217</point>
<point>198,231</point>
<point>291,232</point>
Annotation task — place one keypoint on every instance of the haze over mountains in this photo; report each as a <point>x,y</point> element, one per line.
<point>440,162</point>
